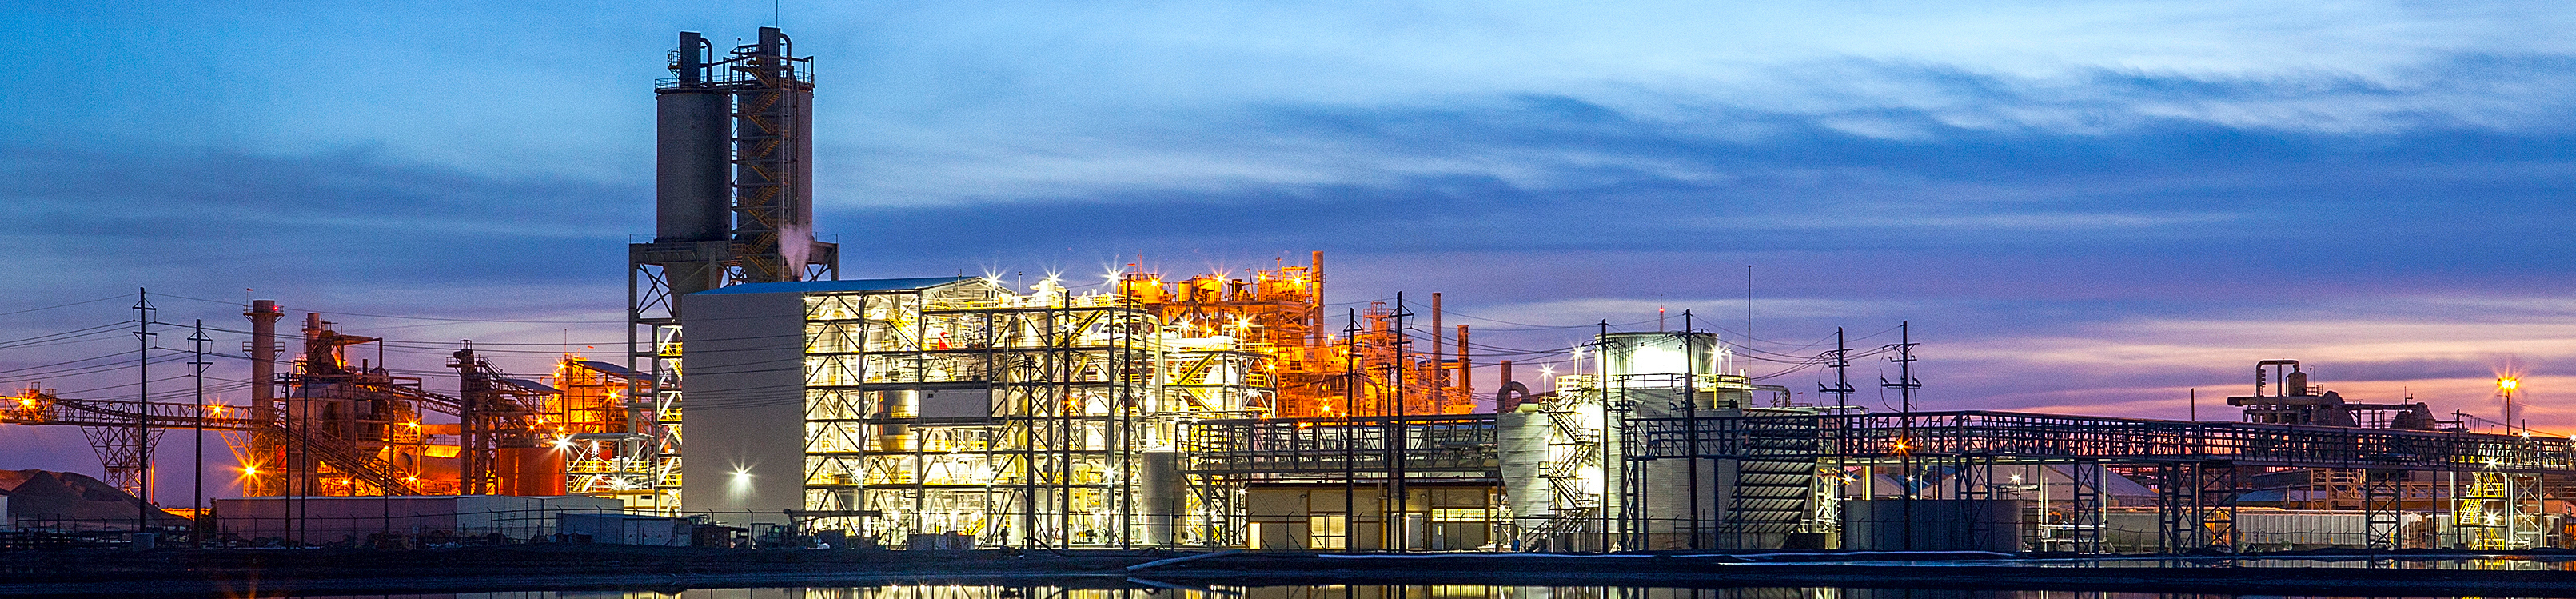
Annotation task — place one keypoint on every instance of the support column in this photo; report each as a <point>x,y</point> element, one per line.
<point>2382,508</point>
<point>2215,503</point>
<point>2175,513</point>
<point>2085,512</point>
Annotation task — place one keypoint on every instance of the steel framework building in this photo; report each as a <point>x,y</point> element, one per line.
<point>959,406</point>
<point>2196,466</point>
<point>1363,483</point>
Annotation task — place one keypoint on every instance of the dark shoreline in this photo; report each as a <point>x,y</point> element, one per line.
<point>234,573</point>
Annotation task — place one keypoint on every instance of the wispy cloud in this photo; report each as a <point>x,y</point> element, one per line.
<point>2081,206</point>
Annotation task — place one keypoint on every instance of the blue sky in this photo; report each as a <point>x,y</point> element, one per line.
<point>2081,206</point>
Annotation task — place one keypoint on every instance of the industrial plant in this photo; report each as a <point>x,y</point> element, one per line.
<point>764,400</point>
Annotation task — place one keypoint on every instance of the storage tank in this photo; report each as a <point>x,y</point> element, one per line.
<point>1160,493</point>
<point>692,133</point>
<point>1524,452</point>
<point>1649,369</point>
<point>692,170</point>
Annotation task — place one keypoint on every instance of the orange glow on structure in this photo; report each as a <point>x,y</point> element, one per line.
<point>1279,314</point>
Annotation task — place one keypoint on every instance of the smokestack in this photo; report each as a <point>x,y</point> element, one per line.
<point>1315,268</point>
<point>1466,368</point>
<point>263,355</point>
<point>312,333</point>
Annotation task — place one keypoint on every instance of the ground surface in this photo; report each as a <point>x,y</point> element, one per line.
<point>601,567</point>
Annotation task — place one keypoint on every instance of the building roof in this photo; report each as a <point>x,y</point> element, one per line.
<point>833,286</point>
<point>614,370</point>
<point>531,385</point>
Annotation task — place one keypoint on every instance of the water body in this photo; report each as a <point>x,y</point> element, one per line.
<point>942,591</point>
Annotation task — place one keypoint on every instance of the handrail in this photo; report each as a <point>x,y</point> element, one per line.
<point>2028,437</point>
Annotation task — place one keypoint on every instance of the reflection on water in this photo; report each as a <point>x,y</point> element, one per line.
<point>927,591</point>
<point>2552,563</point>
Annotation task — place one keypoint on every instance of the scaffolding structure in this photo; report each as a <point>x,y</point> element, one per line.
<point>1017,419</point>
<point>608,436</point>
<point>2499,510</point>
<point>2195,465</point>
<point>334,426</point>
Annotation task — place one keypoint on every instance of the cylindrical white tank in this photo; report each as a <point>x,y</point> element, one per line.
<point>1160,493</point>
<point>1648,371</point>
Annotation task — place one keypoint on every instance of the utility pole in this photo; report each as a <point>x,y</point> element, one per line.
<point>1842,390</point>
<point>197,500</point>
<point>1350,430</point>
<point>1439,374</point>
<point>143,413</point>
<point>1601,385</point>
<point>1690,422</point>
<point>1905,385</point>
<point>1396,442</point>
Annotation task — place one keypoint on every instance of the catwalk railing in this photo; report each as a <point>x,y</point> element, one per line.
<point>1432,448</point>
<point>2006,437</point>
<point>45,410</point>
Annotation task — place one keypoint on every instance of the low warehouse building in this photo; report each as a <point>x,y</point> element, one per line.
<point>627,529</point>
<point>323,520</point>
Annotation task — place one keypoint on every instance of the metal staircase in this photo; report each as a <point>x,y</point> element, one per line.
<point>1575,448</point>
<point>1775,495</point>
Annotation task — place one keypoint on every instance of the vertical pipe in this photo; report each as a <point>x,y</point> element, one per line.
<point>1315,268</point>
<point>1466,368</point>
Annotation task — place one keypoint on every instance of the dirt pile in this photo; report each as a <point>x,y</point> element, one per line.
<point>71,501</point>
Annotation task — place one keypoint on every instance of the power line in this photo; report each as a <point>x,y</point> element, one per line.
<point>112,297</point>
<point>495,320</point>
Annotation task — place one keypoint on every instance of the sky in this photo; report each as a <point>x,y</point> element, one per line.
<point>2078,207</point>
